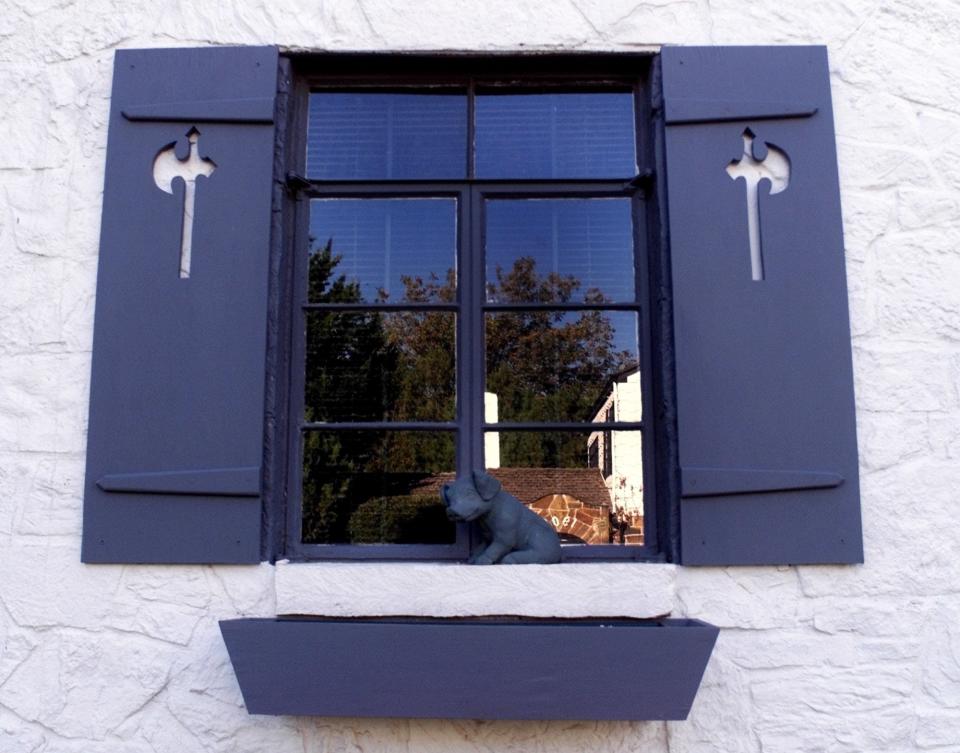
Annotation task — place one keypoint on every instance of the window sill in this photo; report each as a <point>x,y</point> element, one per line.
<point>569,591</point>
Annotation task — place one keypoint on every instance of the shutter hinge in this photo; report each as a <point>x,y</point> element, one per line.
<point>644,180</point>
<point>295,182</point>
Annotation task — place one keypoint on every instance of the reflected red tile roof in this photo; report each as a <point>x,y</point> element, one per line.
<point>530,484</point>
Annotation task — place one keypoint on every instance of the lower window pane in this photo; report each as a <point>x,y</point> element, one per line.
<point>376,487</point>
<point>560,475</point>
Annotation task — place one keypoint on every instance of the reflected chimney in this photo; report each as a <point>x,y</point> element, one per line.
<point>491,440</point>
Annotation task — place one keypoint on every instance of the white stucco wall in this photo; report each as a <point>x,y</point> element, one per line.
<point>860,659</point>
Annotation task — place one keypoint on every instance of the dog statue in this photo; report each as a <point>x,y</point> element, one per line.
<point>514,533</point>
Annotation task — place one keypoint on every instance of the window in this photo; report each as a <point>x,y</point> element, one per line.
<point>748,398</point>
<point>470,281</point>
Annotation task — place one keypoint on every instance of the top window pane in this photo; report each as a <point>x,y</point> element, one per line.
<point>386,136</point>
<point>571,135</point>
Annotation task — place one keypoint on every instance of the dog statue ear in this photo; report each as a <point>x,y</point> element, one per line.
<point>487,486</point>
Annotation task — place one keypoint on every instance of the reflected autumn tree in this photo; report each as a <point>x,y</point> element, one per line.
<point>547,365</point>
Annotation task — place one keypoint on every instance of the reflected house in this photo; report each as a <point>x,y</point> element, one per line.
<point>598,504</point>
<point>575,501</point>
<point>619,456</point>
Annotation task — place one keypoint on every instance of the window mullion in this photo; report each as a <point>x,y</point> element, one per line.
<point>470,348</point>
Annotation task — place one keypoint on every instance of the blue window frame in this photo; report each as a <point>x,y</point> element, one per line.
<point>469,276</point>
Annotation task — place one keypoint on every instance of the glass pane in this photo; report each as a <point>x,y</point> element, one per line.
<point>560,366</point>
<point>556,475</point>
<point>568,135</point>
<point>366,135</point>
<point>380,366</point>
<point>550,250</point>
<point>382,250</point>
<point>376,487</point>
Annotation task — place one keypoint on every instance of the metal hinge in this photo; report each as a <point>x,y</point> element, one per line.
<point>295,182</point>
<point>644,180</point>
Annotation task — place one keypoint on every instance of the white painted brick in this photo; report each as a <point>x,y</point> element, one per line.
<point>754,597</point>
<point>925,262</point>
<point>940,664</point>
<point>914,379</point>
<point>107,675</point>
<point>935,731</point>
<point>886,439</point>
<point>18,736</point>
<point>48,496</point>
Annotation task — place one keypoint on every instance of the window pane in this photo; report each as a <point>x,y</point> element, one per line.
<point>555,474</point>
<point>382,250</point>
<point>572,135</point>
<point>380,366</point>
<point>367,487</point>
<point>550,250</point>
<point>560,366</point>
<point>364,135</point>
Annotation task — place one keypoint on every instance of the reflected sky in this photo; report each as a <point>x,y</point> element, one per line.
<point>557,135</point>
<point>588,242</point>
<point>381,241</point>
<point>371,135</point>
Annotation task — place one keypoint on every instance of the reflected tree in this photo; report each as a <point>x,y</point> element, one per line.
<point>543,365</point>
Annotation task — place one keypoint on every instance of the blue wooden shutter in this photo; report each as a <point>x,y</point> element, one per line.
<point>176,408</point>
<point>766,425</point>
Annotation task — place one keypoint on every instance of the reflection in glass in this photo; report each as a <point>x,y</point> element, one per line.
<point>373,487</point>
<point>555,474</point>
<point>558,366</point>
<point>380,366</point>
<point>368,135</point>
<point>568,135</point>
<point>392,250</point>
<point>550,250</point>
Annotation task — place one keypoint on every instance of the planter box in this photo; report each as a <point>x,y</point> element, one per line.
<point>473,669</point>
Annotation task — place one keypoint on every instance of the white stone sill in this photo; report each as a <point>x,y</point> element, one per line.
<point>378,589</point>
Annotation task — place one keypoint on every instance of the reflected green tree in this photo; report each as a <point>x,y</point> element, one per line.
<point>354,358</point>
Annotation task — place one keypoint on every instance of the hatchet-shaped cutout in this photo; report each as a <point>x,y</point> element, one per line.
<point>773,166</point>
<point>167,167</point>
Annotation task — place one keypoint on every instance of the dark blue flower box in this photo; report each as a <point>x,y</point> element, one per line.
<point>503,668</point>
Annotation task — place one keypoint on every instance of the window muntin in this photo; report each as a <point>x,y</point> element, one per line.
<point>476,423</point>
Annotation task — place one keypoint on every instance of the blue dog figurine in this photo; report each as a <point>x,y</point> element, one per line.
<point>514,533</point>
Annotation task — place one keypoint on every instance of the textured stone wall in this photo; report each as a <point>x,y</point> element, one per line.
<point>103,659</point>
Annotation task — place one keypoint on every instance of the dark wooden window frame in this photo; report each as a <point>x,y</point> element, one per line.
<point>534,74</point>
